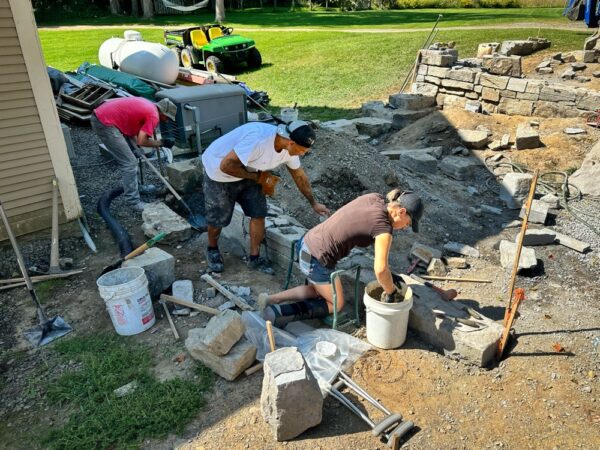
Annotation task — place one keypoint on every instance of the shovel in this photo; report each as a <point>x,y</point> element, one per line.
<point>138,251</point>
<point>197,221</point>
<point>48,329</point>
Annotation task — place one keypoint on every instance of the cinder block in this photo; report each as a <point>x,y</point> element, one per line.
<point>157,261</point>
<point>538,212</point>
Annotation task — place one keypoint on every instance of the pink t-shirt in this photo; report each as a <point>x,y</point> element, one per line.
<point>129,115</point>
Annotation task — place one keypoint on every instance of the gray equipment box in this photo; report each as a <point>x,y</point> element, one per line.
<point>211,110</point>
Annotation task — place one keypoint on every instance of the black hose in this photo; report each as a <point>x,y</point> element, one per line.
<point>117,230</point>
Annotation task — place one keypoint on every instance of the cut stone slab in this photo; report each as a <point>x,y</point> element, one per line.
<point>427,89</point>
<point>424,253</point>
<point>402,119</point>
<point>223,331</point>
<point>397,153</point>
<point>230,366</point>
<point>568,241</point>
<point>514,189</point>
<point>573,130</point>
<point>527,137</point>
<point>376,109</point>
<point>157,261</point>
<point>184,290</point>
<point>461,249</point>
<point>291,400</point>
<point>505,141</point>
<point>418,161</point>
<point>372,126</point>
<point>459,167</point>
<point>568,74</point>
<point>502,65</point>
<point>185,176</point>
<point>473,106</point>
<point>411,102</point>
<point>577,66</point>
<point>477,346</point>
<point>538,212</point>
<point>587,176</point>
<point>437,268</point>
<point>508,251</point>
<point>537,237</point>
<point>159,218</point>
<point>551,200</point>
<point>343,126</point>
<point>490,209</point>
<point>473,138</point>
<point>455,262</point>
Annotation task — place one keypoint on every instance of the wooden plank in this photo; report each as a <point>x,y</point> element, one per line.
<point>239,301</point>
<point>19,131</point>
<point>8,68</point>
<point>22,103</point>
<point>196,306</point>
<point>25,160</point>
<point>39,278</point>
<point>7,141</point>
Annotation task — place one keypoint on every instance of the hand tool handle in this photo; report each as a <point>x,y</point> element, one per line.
<point>145,246</point>
<point>54,255</point>
<point>163,179</point>
<point>270,335</point>
<point>196,306</point>
<point>170,319</point>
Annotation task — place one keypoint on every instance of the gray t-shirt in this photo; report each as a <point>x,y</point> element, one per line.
<point>356,224</point>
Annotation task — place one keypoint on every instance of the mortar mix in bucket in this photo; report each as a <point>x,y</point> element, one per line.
<point>386,322</point>
<point>125,294</point>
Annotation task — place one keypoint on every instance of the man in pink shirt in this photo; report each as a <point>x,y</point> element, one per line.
<point>124,123</point>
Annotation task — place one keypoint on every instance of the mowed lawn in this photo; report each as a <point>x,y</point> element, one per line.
<point>328,73</point>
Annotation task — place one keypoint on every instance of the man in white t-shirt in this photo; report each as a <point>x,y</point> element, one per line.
<point>236,169</point>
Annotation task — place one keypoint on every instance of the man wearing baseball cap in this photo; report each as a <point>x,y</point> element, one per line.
<point>123,124</point>
<point>237,169</point>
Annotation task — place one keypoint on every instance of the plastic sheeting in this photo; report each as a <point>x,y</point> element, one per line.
<point>325,369</point>
<point>128,82</point>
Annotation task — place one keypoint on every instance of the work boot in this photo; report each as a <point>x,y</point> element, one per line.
<point>261,264</point>
<point>139,206</point>
<point>148,189</point>
<point>214,260</point>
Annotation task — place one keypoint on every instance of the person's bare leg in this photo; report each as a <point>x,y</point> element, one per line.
<point>213,236</point>
<point>326,291</point>
<point>257,234</point>
<point>297,294</point>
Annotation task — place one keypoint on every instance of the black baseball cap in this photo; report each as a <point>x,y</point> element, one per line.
<point>414,207</point>
<point>298,131</point>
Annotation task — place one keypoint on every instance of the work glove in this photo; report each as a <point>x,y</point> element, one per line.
<point>394,297</point>
<point>168,142</point>
<point>268,181</point>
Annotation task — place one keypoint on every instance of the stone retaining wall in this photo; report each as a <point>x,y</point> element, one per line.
<point>467,80</point>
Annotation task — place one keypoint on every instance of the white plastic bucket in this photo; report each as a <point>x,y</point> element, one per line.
<point>288,114</point>
<point>125,293</point>
<point>386,322</point>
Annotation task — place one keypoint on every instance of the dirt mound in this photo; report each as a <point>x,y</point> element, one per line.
<point>340,168</point>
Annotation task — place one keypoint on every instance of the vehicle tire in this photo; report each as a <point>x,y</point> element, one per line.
<point>214,64</point>
<point>185,58</point>
<point>254,59</point>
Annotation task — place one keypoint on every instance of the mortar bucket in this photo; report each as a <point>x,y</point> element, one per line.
<point>125,293</point>
<point>288,114</point>
<point>386,322</point>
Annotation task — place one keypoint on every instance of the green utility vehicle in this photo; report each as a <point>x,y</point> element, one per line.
<point>212,46</point>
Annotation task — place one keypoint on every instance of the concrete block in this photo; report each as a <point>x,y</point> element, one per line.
<point>538,212</point>
<point>418,161</point>
<point>455,262</point>
<point>461,249</point>
<point>285,235</point>
<point>411,102</point>
<point>183,289</point>
<point>459,167</point>
<point>222,332</point>
<point>514,107</point>
<point>514,189</point>
<point>527,137</point>
<point>401,119</point>
<point>508,252</point>
<point>372,126</point>
<point>158,262</point>
<point>477,346</point>
<point>291,400</point>
<point>230,366</point>
<point>473,138</point>
<point>342,126</point>
<point>185,176</point>
<point>426,89</point>
<point>159,218</point>
<point>424,253</point>
<point>502,65</point>
<point>551,200</point>
<point>537,237</point>
<point>437,268</point>
<point>572,243</point>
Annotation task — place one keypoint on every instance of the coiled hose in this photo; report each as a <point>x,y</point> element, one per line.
<point>116,229</point>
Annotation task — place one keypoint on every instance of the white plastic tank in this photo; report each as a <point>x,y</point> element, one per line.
<point>144,59</point>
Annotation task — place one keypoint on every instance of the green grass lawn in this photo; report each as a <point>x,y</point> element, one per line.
<point>282,17</point>
<point>328,73</point>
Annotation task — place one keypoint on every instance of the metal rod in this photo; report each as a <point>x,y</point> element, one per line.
<point>54,254</point>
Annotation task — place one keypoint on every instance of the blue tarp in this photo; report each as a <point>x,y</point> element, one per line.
<point>587,10</point>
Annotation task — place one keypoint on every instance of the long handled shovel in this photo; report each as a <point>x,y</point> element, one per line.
<point>138,251</point>
<point>48,329</point>
<point>197,221</point>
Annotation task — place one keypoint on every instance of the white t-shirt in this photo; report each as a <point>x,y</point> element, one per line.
<point>254,145</point>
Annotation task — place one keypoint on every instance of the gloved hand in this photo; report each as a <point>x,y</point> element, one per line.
<point>168,142</point>
<point>268,181</point>
<point>394,297</point>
